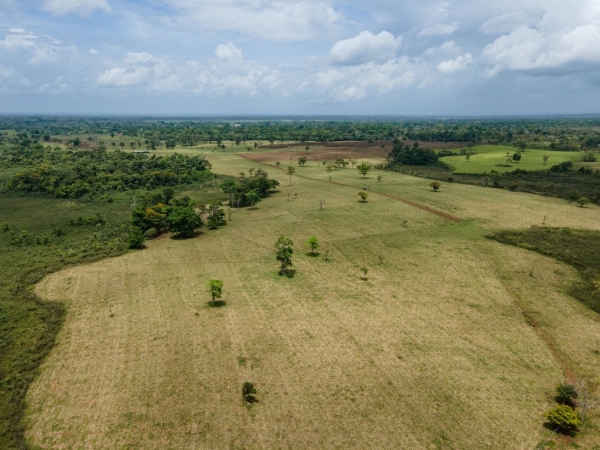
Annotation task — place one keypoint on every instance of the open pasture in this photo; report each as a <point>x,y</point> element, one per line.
<point>495,157</point>
<point>448,344</point>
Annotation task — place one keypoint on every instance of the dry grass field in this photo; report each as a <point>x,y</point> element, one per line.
<point>449,343</point>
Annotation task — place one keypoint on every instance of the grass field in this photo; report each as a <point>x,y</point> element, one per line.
<point>449,343</point>
<point>491,157</point>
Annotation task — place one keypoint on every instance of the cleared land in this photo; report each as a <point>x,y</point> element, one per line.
<point>437,349</point>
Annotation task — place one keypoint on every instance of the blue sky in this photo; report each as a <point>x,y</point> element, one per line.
<point>385,57</point>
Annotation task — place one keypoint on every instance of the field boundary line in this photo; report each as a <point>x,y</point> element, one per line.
<point>393,197</point>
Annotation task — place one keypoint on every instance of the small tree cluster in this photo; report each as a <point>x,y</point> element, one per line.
<point>563,417</point>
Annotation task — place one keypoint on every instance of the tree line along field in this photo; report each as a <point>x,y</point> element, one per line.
<point>450,342</point>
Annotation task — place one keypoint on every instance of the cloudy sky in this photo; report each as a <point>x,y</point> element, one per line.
<point>386,57</point>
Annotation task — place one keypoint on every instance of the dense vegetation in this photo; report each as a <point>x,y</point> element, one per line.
<point>552,134</point>
<point>578,248</point>
<point>72,174</point>
<point>560,181</point>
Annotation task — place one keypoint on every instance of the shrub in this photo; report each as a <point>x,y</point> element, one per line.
<point>514,186</point>
<point>589,157</point>
<point>564,418</point>
<point>136,238</point>
<point>566,394</point>
<point>363,196</point>
<point>562,167</point>
<point>248,391</point>
<point>435,185</point>
<point>151,233</point>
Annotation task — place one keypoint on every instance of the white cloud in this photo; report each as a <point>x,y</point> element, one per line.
<point>81,7</point>
<point>364,48</point>
<point>292,20</point>
<point>440,29</point>
<point>454,65</point>
<point>568,34</point>
<point>94,52</point>
<point>504,23</point>
<point>16,30</point>
<point>357,82</point>
<point>226,74</point>
<point>39,49</point>
<point>229,52</point>
<point>448,47</point>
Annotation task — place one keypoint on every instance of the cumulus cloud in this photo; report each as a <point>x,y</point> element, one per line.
<point>292,20</point>
<point>365,47</point>
<point>448,47</point>
<point>440,29</point>
<point>81,7</point>
<point>454,65</point>
<point>229,52</point>
<point>354,83</point>
<point>567,36</point>
<point>228,73</point>
<point>504,23</point>
<point>38,49</point>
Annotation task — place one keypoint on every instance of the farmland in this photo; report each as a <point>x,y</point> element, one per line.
<point>450,342</point>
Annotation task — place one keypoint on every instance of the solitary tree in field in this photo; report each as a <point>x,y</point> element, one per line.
<point>545,158</point>
<point>522,146</point>
<point>379,177</point>
<point>301,161</point>
<point>435,185</point>
<point>248,391</point>
<point>122,144</point>
<point>284,253</point>
<point>364,168</point>
<point>313,243</point>
<point>291,171</point>
<point>307,148</point>
<point>582,201</point>
<point>215,289</point>
<point>363,196</point>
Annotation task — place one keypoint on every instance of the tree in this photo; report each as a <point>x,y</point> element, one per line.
<point>566,394</point>
<point>301,161</point>
<point>582,201</point>
<point>238,140</point>
<point>435,185</point>
<point>363,196</point>
<point>307,148</point>
<point>216,216</point>
<point>522,146</point>
<point>516,157</point>
<point>291,171</point>
<point>545,158</point>
<point>313,243</point>
<point>253,197</point>
<point>136,238</point>
<point>585,399</point>
<point>364,168</point>
<point>563,417</point>
<point>215,289</point>
<point>122,144</point>
<point>183,221</point>
<point>284,253</point>
<point>379,177</point>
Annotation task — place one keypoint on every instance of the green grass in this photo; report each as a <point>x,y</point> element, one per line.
<point>491,157</point>
<point>578,248</point>
<point>28,326</point>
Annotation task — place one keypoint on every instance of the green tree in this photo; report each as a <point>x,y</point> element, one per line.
<point>291,171</point>
<point>183,221</point>
<point>216,215</point>
<point>582,201</point>
<point>566,394</point>
<point>364,168</point>
<point>435,185</point>
<point>301,161</point>
<point>564,418</point>
<point>238,140</point>
<point>252,197</point>
<point>363,196</point>
<point>313,243</point>
<point>284,253</point>
<point>136,238</point>
<point>248,391</point>
<point>215,289</point>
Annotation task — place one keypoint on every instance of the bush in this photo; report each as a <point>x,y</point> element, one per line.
<point>435,185</point>
<point>136,238</point>
<point>562,167</point>
<point>564,418</point>
<point>151,233</point>
<point>589,157</point>
<point>248,391</point>
<point>566,394</point>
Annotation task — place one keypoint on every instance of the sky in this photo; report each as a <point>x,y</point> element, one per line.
<point>300,57</point>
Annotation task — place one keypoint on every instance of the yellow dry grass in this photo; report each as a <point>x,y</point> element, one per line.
<point>433,351</point>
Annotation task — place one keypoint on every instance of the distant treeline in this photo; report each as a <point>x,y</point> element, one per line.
<point>552,134</point>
